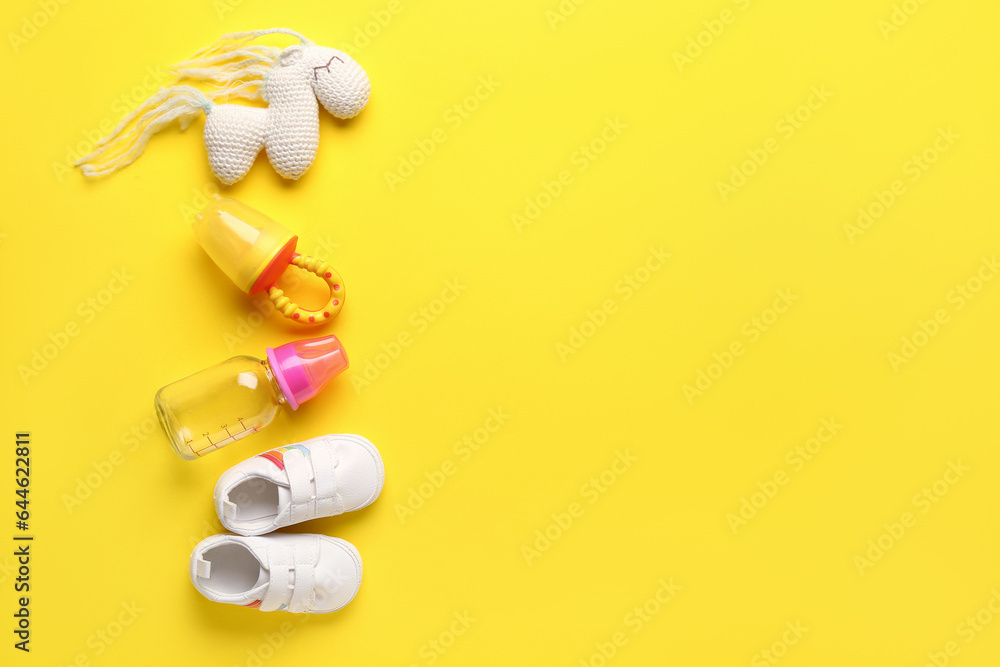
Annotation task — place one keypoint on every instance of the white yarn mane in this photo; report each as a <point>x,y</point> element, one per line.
<point>233,64</point>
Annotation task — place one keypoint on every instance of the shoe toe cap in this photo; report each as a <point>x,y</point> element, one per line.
<point>338,574</point>
<point>360,472</point>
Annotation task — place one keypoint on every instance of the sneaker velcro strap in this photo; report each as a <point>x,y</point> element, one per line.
<point>278,568</point>
<point>300,476</point>
<point>304,591</point>
<point>300,485</point>
<point>324,462</point>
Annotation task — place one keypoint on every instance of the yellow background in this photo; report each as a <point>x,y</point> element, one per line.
<point>495,347</point>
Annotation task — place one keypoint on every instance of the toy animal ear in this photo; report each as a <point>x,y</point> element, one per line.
<point>291,55</point>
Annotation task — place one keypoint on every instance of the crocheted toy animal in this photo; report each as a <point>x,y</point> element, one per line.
<point>290,81</point>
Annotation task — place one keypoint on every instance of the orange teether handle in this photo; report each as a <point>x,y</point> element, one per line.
<point>293,311</point>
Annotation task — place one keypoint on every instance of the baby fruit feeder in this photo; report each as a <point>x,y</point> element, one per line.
<point>254,250</point>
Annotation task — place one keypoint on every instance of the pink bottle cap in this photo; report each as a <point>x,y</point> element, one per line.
<point>303,367</point>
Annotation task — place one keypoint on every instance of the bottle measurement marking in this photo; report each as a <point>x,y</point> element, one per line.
<point>223,440</point>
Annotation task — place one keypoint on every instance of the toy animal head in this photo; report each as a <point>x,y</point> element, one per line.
<point>339,83</point>
<point>288,128</point>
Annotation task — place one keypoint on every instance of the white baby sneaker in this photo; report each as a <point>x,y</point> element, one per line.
<point>320,477</point>
<point>315,574</point>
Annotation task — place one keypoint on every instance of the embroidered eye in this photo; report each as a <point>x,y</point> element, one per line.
<point>326,67</point>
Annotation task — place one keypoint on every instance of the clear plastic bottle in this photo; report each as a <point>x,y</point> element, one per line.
<point>240,396</point>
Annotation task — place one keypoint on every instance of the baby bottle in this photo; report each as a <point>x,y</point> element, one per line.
<point>241,395</point>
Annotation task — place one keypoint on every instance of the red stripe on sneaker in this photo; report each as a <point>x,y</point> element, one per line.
<point>255,604</point>
<point>274,457</point>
